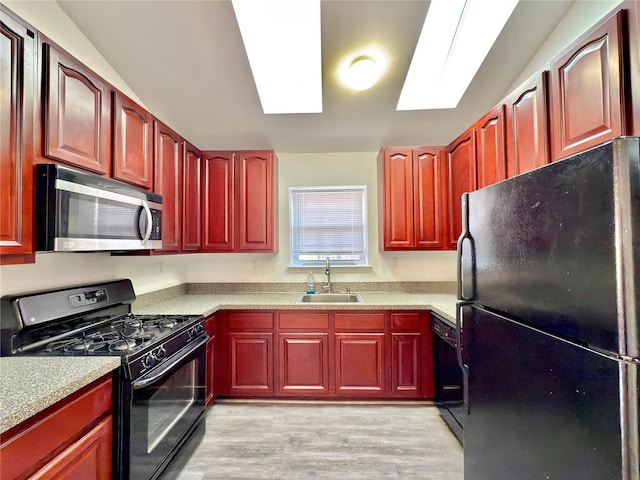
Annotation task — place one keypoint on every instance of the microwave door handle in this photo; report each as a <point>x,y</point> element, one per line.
<point>147,211</point>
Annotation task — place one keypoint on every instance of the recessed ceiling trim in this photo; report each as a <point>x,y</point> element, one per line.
<point>282,39</point>
<point>455,39</point>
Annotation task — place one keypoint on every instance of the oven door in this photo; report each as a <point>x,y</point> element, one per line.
<point>165,406</point>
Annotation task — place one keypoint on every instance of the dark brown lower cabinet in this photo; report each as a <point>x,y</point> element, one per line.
<point>360,364</point>
<point>324,354</point>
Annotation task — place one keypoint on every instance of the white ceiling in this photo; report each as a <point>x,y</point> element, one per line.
<point>186,62</point>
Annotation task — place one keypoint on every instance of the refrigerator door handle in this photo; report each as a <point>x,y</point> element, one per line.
<point>461,351</point>
<point>466,257</point>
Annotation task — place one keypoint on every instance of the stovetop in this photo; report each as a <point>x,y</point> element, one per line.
<point>121,336</point>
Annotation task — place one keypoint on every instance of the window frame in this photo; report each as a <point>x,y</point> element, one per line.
<point>336,261</point>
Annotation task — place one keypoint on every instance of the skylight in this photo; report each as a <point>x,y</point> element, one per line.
<point>283,43</point>
<point>455,39</point>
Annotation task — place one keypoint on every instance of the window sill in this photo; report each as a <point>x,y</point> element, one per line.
<point>341,268</point>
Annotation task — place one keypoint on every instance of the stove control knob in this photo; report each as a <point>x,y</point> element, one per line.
<point>148,360</point>
<point>160,353</point>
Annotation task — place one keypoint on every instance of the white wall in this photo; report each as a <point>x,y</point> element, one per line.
<point>578,19</point>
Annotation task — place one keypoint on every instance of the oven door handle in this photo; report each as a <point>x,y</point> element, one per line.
<point>144,381</point>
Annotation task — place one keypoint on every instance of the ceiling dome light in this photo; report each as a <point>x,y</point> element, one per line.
<point>362,74</point>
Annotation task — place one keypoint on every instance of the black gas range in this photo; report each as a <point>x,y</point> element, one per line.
<point>160,388</point>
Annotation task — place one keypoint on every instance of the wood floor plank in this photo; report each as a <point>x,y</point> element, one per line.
<point>315,440</point>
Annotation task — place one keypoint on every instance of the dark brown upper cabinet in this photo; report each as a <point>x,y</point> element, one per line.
<point>461,172</point>
<point>18,52</point>
<point>412,198</point>
<point>133,142</point>
<point>77,113</point>
<point>490,148</point>
<point>168,170</point>
<point>586,90</point>
<point>239,210</point>
<point>191,210</point>
<point>526,125</point>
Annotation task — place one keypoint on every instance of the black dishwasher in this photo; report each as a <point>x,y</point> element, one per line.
<point>448,374</point>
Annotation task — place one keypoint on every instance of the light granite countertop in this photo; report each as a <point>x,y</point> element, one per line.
<point>28,385</point>
<point>209,303</point>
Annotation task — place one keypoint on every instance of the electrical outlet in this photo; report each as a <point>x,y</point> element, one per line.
<point>395,263</point>
<point>254,265</point>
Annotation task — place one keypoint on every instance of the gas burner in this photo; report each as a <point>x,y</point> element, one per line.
<point>122,345</point>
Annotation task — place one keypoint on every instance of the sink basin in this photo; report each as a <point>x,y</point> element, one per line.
<point>329,298</point>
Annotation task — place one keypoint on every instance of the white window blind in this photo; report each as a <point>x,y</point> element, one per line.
<point>328,222</point>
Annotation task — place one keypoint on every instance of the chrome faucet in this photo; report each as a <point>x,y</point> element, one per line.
<point>327,271</point>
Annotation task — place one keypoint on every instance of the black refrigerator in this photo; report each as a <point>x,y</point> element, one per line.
<point>548,275</point>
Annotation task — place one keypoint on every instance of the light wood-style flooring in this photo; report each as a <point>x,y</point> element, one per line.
<point>317,440</point>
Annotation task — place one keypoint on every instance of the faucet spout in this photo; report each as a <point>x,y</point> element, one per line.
<point>327,272</point>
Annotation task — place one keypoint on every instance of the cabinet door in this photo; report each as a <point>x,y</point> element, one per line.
<point>527,127</point>
<point>490,153</point>
<point>256,212</point>
<point>405,364</point>
<point>429,198</point>
<point>17,87</point>
<point>360,361</point>
<point>586,91</point>
<point>133,142</point>
<point>303,362</point>
<point>396,174</point>
<point>251,361</point>
<point>218,206</point>
<point>168,169</point>
<point>77,113</point>
<point>191,211</point>
<point>89,457</point>
<point>461,172</point>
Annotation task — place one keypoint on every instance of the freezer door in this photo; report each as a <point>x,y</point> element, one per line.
<point>541,407</point>
<point>558,247</point>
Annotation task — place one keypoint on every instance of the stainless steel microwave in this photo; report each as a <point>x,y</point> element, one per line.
<point>82,212</point>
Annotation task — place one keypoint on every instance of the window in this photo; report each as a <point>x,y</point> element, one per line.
<point>328,222</point>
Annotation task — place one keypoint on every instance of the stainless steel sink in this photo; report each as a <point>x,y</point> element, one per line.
<point>330,298</point>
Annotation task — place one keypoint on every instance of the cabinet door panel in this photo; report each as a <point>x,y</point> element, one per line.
<point>168,168</point>
<point>251,357</point>
<point>527,127</point>
<point>586,91</point>
<point>397,194</point>
<point>304,363</point>
<point>429,206</point>
<point>360,364</point>
<point>256,195</point>
<point>405,352</point>
<point>191,212</point>
<point>133,142</point>
<point>218,207</point>
<point>461,171</point>
<point>77,114</point>
<point>17,87</point>
<point>490,155</point>
<point>89,457</point>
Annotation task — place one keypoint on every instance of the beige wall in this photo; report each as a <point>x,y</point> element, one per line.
<point>317,170</point>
